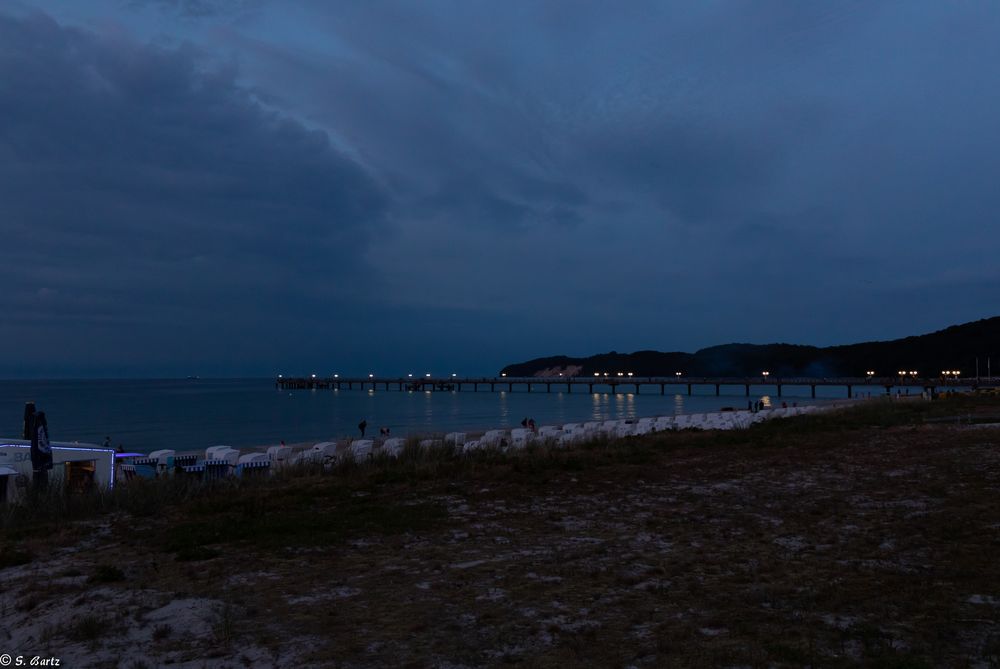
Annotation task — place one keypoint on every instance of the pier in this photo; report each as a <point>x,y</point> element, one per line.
<point>623,383</point>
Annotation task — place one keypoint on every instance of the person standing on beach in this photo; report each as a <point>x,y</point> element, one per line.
<point>362,425</point>
<point>107,442</point>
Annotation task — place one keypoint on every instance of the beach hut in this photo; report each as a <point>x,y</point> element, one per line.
<point>75,466</point>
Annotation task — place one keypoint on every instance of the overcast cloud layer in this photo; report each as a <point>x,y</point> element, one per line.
<point>251,187</point>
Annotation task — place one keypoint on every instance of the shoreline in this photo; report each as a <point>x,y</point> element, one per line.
<point>343,443</point>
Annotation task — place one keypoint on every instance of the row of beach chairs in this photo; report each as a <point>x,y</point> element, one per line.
<point>222,461</point>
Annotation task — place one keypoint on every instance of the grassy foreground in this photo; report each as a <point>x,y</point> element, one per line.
<point>870,536</point>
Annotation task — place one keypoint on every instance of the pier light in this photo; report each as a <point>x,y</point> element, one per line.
<point>410,376</point>
<point>957,373</point>
<point>504,374</point>
<point>678,374</point>
<point>279,376</point>
<point>765,374</point>
<point>314,376</point>
<point>336,376</point>
<point>597,374</point>
<point>869,374</point>
<point>428,375</point>
<point>621,374</point>
<point>605,373</point>
<point>902,372</point>
<point>454,375</point>
<point>560,373</point>
<point>371,376</point>
<point>630,373</point>
<point>913,373</point>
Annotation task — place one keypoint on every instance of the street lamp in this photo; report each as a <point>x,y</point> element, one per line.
<point>913,373</point>
<point>336,376</point>
<point>314,376</point>
<point>428,375</point>
<point>765,374</point>
<point>678,374</point>
<point>503,374</point>
<point>630,373</point>
<point>869,374</point>
<point>597,373</point>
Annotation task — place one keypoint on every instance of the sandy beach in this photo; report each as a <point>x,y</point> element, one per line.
<point>805,541</point>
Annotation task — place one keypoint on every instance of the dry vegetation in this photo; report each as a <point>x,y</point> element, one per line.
<point>869,536</point>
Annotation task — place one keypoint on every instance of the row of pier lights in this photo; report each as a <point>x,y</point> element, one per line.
<point>903,374</point>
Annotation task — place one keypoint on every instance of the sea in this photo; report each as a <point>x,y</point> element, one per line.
<point>192,414</point>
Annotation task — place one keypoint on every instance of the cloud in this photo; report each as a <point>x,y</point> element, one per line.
<point>664,175</point>
<point>139,191</point>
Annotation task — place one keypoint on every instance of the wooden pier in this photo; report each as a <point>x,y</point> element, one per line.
<point>616,384</point>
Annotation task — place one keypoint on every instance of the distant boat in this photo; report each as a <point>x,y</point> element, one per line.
<point>194,378</point>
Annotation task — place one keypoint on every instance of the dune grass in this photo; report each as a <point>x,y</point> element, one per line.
<point>855,537</point>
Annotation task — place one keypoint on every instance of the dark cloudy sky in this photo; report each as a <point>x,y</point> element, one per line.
<point>230,187</point>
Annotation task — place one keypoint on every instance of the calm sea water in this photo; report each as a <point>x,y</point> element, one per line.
<point>145,415</point>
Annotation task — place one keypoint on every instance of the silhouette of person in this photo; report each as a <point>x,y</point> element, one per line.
<point>362,425</point>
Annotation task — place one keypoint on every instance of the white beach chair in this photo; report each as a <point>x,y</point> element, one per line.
<point>455,438</point>
<point>321,452</point>
<point>521,437</point>
<point>394,446</point>
<point>212,451</point>
<point>494,438</point>
<point>279,455</point>
<point>570,438</point>
<point>361,449</point>
<point>665,423</point>
<point>232,456</point>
